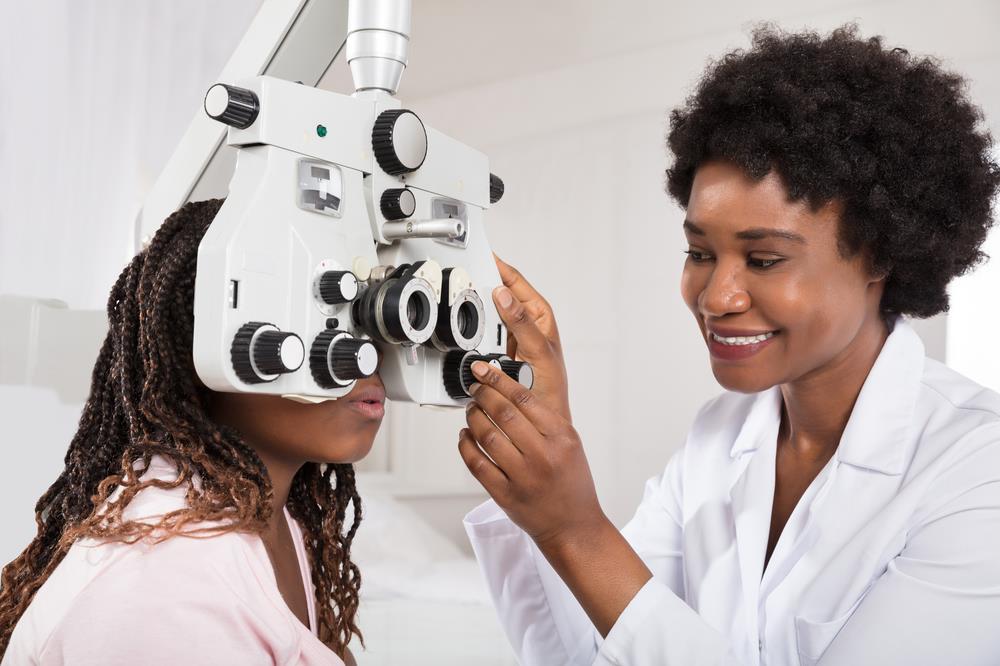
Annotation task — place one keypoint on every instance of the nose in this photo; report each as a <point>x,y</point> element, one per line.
<point>724,293</point>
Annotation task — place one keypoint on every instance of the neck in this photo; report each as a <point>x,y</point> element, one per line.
<point>818,405</point>
<point>282,472</point>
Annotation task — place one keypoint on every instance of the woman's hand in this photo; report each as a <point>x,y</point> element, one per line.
<point>530,460</point>
<point>533,337</point>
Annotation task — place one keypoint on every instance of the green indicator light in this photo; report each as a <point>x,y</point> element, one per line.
<point>320,130</point>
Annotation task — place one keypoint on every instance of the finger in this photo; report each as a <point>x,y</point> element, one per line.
<point>531,343</point>
<point>486,472</point>
<point>512,278</point>
<point>493,441</point>
<point>516,282</point>
<point>544,420</point>
<point>507,417</point>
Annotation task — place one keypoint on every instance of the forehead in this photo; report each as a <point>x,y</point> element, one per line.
<point>724,199</point>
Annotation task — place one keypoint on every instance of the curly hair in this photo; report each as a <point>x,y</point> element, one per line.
<point>889,135</point>
<point>145,400</point>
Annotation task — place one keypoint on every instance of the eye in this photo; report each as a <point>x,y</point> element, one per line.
<point>697,256</point>
<point>762,263</point>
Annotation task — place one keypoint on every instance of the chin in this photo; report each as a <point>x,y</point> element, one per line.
<point>345,453</point>
<point>741,381</point>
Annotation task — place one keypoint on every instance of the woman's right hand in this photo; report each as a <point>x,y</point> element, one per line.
<point>533,337</point>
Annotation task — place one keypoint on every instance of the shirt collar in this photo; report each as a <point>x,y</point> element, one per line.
<point>874,437</point>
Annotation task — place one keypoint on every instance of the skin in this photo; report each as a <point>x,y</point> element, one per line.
<point>825,308</point>
<point>286,435</point>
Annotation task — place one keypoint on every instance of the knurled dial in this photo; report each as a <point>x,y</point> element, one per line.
<point>236,107</point>
<point>336,287</point>
<point>397,203</point>
<point>399,141</point>
<point>261,352</point>
<point>337,358</point>
<point>457,369</point>
<point>519,371</point>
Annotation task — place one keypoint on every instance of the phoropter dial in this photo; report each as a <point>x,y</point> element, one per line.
<point>496,188</point>
<point>397,203</point>
<point>519,371</point>
<point>336,287</point>
<point>337,358</point>
<point>399,141</point>
<point>457,370</point>
<point>261,352</point>
<point>236,107</point>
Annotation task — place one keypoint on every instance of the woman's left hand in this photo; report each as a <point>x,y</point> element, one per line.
<point>530,460</point>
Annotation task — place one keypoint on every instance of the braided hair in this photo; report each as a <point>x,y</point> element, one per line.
<point>146,400</point>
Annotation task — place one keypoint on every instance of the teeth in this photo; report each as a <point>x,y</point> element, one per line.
<point>742,340</point>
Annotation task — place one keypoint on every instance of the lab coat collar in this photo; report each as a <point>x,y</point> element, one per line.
<point>875,435</point>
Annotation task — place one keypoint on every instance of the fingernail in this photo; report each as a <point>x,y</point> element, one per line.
<point>504,297</point>
<point>474,388</point>
<point>480,369</point>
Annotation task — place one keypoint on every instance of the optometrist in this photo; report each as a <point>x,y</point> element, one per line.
<point>839,504</point>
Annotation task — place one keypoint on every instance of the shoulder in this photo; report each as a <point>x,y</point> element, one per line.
<point>954,417</point>
<point>954,396</point>
<point>183,600</point>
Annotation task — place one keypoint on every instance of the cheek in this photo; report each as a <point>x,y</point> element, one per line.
<point>692,284</point>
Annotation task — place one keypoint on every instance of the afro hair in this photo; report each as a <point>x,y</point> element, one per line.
<point>889,135</point>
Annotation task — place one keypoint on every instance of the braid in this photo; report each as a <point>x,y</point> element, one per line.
<point>144,401</point>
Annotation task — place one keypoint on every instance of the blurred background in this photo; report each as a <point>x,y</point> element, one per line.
<point>568,99</point>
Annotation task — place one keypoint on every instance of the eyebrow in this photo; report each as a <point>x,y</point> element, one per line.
<point>756,233</point>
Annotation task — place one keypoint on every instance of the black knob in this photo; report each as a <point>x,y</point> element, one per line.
<point>397,203</point>
<point>237,107</point>
<point>337,287</point>
<point>457,370</point>
<point>337,359</point>
<point>496,188</point>
<point>399,141</point>
<point>519,371</point>
<point>260,352</point>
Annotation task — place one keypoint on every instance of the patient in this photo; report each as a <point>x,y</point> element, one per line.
<point>255,488</point>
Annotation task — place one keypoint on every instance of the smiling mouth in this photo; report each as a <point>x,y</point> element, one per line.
<point>740,341</point>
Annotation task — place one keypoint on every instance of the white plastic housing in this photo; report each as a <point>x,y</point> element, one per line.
<point>273,250</point>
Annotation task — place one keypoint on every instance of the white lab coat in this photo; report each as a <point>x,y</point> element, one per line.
<point>892,556</point>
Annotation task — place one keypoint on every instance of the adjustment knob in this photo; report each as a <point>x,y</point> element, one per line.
<point>337,287</point>
<point>457,370</point>
<point>260,352</point>
<point>519,371</point>
<point>496,188</point>
<point>399,141</point>
<point>337,358</point>
<point>397,203</point>
<point>236,107</point>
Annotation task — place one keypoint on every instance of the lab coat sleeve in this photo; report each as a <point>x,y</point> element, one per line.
<point>547,626</point>
<point>939,599</point>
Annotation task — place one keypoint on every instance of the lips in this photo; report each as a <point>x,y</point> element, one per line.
<point>741,344</point>
<point>369,402</point>
<point>372,394</point>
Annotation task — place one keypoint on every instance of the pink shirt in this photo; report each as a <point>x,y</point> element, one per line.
<point>211,600</point>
